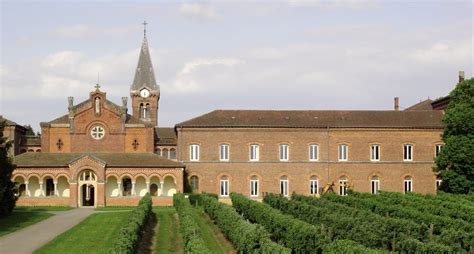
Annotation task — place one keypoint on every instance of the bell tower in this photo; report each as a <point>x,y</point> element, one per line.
<point>144,91</point>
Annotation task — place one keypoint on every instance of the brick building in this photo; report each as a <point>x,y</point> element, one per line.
<point>97,154</point>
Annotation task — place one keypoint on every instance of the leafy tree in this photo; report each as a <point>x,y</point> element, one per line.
<point>29,130</point>
<point>7,187</point>
<point>455,163</point>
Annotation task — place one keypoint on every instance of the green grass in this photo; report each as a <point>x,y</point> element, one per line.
<point>211,234</point>
<point>168,238</point>
<point>42,208</point>
<point>112,208</point>
<point>95,234</point>
<point>20,219</point>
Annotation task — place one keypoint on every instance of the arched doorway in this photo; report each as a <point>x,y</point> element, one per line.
<point>87,183</point>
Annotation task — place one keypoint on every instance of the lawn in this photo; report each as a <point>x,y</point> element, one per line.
<point>21,218</point>
<point>42,208</point>
<point>93,235</point>
<point>168,238</point>
<point>112,208</point>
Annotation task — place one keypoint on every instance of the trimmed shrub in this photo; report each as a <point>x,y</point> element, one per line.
<point>347,246</point>
<point>131,230</point>
<point>246,237</point>
<point>193,242</point>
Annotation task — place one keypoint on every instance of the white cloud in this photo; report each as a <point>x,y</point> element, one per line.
<point>198,10</point>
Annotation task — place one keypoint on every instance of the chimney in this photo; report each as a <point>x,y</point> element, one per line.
<point>461,76</point>
<point>70,100</point>
<point>396,106</point>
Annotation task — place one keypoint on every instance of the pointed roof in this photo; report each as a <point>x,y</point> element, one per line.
<point>144,75</point>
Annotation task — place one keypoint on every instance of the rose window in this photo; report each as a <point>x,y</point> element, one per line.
<point>97,132</point>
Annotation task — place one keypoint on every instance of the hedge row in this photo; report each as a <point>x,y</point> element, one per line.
<point>298,235</point>
<point>131,230</point>
<point>193,242</point>
<point>439,223</point>
<point>364,227</point>
<point>246,237</point>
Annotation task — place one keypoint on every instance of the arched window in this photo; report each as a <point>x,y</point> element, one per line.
<point>343,185</point>
<point>147,110</point>
<point>313,185</point>
<point>254,186</point>
<point>87,175</point>
<point>49,187</point>
<point>165,153</point>
<point>173,154</point>
<point>142,111</point>
<point>407,184</point>
<point>374,184</point>
<point>284,186</point>
<point>158,151</point>
<point>194,182</point>
<point>224,186</point>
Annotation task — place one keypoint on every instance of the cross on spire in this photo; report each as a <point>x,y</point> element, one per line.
<point>144,28</point>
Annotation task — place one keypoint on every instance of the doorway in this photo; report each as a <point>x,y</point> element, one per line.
<point>87,184</point>
<point>88,195</point>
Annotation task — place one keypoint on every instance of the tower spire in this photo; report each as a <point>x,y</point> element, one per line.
<point>144,28</point>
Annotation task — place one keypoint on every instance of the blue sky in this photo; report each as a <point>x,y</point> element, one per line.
<point>294,54</point>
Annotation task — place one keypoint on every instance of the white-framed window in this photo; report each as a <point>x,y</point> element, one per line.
<point>438,183</point>
<point>284,150</point>
<point>254,152</point>
<point>224,186</point>
<point>313,185</point>
<point>407,184</point>
<point>375,185</point>
<point>254,186</point>
<point>438,148</point>
<point>343,186</point>
<point>284,186</point>
<point>194,152</point>
<point>408,152</point>
<point>342,152</point>
<point>224,152</point>
<point>375,152</point>
<point>313,152</point>
<point>97,132</point>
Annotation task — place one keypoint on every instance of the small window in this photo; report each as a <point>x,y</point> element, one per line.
<point>194,152</point>
<point>313,185</point>
<point>375,185</point>
<point>375,153</point>
<point>313,152</point>
<point>224,186</point>
<point>342,151</point>
<point>224,152</point>
<point>254,152</point>
<point>284,152</point>
<point>407,184</point>
<point>254,186</point>
<point>408,152</point>
<point>438,183</point>
<point>343,186</point>
<point>194,182</point>
<point>158,151</point>
<point>173,154</point>
<point>165,153</point>
<point>284,186</point>
<point>438,149</point>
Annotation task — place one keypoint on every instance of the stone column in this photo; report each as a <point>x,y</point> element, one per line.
<point>161,188</point>
<point>133,189</point>
<point>56,192</point>
<point>27,190</point>
<point>119,184</point>
<point>41,190</point>
<point>147,187</point>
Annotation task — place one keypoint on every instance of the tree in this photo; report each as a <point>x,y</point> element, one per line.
<point>7,187</point>
<point>455,163</point>
<point>29,130</point>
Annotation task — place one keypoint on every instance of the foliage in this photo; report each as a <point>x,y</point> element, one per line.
<point>7,187</point>
<point>455,163</point>
<point>131,230</point>
<point>246,237</point>
<point>193,242</point>
<point>347,246</point>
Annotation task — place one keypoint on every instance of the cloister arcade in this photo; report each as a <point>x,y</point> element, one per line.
<point>34,186</point>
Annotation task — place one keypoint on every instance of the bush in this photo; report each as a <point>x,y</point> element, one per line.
<point>347,246</point>
<point>7,187</point>
<point>193,242</point>
<point>131,230</point>
<point>246,237</point>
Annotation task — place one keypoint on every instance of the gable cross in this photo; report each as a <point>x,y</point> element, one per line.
<point>59,144</point>
<point>135,144</point>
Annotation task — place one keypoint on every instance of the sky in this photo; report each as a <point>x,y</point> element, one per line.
<point>207,55</point>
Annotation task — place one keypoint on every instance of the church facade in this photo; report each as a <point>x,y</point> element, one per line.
<point>100,155</point>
